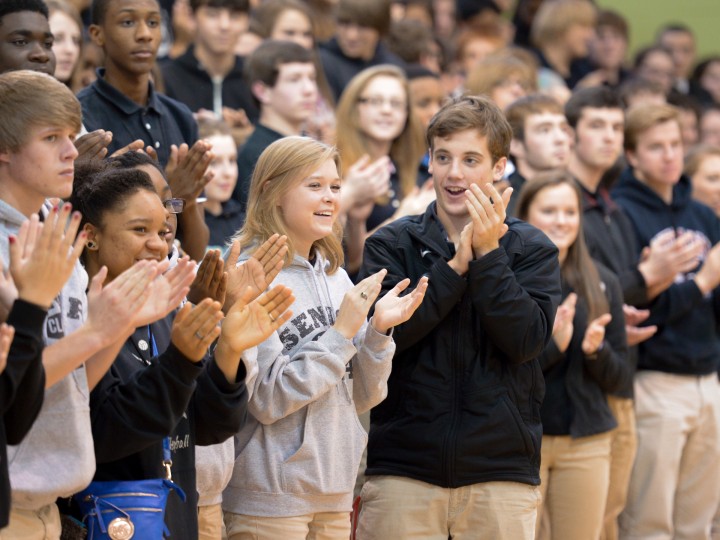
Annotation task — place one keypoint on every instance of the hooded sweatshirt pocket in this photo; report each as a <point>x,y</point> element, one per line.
<point>332,444</point>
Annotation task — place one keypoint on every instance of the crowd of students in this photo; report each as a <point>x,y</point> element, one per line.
<point>461,268</point>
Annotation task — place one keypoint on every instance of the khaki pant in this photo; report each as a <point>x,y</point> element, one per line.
<point>43,524</point>
<point>400,508</point>
<point>210,522</point>
<point>320,526</point>
<point>574,475</point>
<point>360,480</point>
<point>674,485</point>
<point>622,457</point>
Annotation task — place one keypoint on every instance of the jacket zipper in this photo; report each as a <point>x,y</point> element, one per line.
<point>457,369</point>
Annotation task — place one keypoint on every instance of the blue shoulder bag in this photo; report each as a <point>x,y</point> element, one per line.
<point>121,510</point>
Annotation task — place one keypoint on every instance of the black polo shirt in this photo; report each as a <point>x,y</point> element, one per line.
<point>261,138</point>
<point>161,123</point>
<point>224,226</point>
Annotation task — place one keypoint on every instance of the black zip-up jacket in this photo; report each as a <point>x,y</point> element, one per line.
<point>687,338</point>
<point>464,396</point>
<point>22,387</point>
<point>187,81</point>
<point>610,239</point>
<point>576,384</point>
<point>142,400</point>
<point>339,69</point>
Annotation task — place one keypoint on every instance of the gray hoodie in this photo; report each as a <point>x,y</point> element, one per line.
<point>300,448</point>
<point>56,458</point>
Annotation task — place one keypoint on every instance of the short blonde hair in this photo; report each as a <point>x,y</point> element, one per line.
<point>555,17</point>
<point>642,117</point>
<point>29,99</point>
<point>495,70</point>
<point>697,155</point>
<point>280,167</point>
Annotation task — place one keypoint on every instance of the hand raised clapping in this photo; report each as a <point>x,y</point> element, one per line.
<point>43,255</point>
<point>487,212</point>
<point>250,322</point>
<point>210,280</point>
<point>196,327</point>
<point>563,326</point>
<point>389,311</point>
<point>595,334</point>
<point>258,272</point>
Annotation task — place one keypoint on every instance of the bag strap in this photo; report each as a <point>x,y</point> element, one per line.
<point>167,456</point>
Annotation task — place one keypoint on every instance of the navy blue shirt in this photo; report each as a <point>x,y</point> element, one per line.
<point>248,155</point>
<point>161,123</point>
<point>225,225</point>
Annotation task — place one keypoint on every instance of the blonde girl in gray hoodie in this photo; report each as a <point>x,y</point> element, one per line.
<point>298,454</point>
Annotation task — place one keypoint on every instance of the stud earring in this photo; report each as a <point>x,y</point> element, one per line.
<point>91,244</point>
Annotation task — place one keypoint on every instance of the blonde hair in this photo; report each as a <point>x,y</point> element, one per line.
<point>61,6</point>
<point>555,17</point>
<point>697,155</point>
<point>643,117</point>
<point>280,167</point>
<point>406,150</point>
<point>495,70</point>
<point>29,99</point>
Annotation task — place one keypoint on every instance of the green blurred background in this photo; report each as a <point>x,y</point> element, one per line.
<point>646,16</point>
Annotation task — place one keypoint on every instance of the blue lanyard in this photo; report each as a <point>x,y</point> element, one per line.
<point>167,457</point>
<point>151,339</point>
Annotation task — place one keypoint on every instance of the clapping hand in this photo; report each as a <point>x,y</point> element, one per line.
<point>249,323</point>
<point>211,279</point>
<point>258,272</point>
<point>563,325</point>
<point>196,327</point>
<point>595,334</point>
<point>636,333</point>
<point>487,212</point>
<point>113,309</point>
<point>165,291</point>
<point>356,303</point>
<point>393,309</point>
<point>93,145</point>
<point>186,170</point>
<point>43,255</point>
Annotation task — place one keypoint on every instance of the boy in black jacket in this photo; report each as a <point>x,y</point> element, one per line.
<point>462,410</point>
<point>209,75</point>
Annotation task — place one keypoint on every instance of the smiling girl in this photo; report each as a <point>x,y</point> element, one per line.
<point>163,382</point>
<point>298,454</point>
<point>585,359</point>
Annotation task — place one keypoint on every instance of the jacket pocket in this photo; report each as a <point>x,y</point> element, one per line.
<point>492,434</point>
<point>528,442</point>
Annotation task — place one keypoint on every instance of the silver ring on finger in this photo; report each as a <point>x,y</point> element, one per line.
<point>363,295</point>
<point>199,336</point>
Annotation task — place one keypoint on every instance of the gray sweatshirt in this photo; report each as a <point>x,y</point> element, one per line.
<point>56,458</point>
<point>301,446</point>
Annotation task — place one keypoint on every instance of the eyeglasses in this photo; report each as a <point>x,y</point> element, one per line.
<point>174,206</point>
<point>377,102</point>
